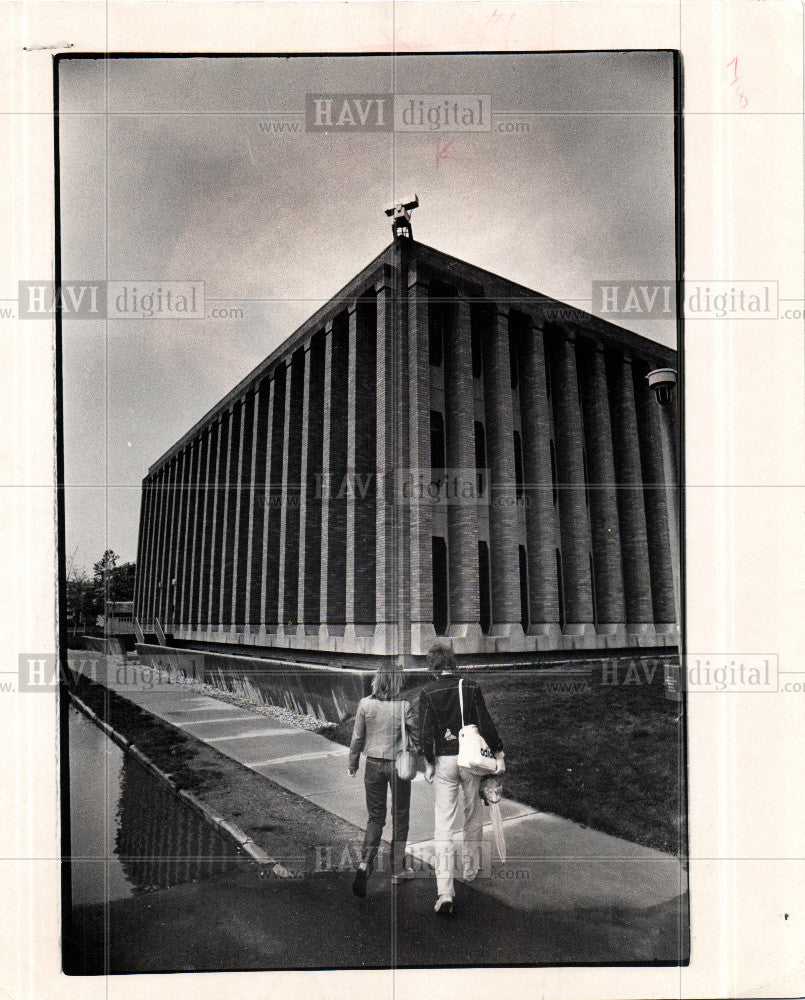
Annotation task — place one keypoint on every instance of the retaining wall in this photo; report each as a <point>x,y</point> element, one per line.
<point>326,693</point>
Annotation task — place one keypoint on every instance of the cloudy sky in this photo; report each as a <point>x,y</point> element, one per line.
<point>171,170</point>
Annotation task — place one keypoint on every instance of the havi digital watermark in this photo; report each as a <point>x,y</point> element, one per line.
<point>645,299</point>
<point>111,299</point>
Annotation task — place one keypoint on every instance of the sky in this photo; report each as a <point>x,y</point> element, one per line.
<point>171,169</point>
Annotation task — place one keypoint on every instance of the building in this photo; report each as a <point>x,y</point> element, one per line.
<point>118,618</point>
<point>437,451</point>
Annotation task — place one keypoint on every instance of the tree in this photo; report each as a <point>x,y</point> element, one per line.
<point>86,598</point>
<point>80,599</point>
<point>113,582</point>
<point>107,562</point>
<point>121,585</point>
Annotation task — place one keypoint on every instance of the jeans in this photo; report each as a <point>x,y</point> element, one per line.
<point>378,775</point>
<point>448,780</point>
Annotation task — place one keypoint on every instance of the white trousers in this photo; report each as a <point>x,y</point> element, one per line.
<point>449,781</point>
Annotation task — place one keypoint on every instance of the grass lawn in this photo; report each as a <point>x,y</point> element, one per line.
<point>609,756</point>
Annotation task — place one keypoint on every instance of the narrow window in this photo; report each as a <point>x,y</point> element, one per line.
<point>518,466</point>
<point>477,337</point>
<point>560,588</point>
<point>437,446</point>
<point>484,589</point>
<point>519,330</point>
<point>440,606</point>
<point>515,374</point>
<point>436,318</point>
<point>523,587</point>
<point>547,344</point>
<point>480,457</point>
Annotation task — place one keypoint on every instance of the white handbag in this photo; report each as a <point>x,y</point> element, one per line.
<point>473,751</point>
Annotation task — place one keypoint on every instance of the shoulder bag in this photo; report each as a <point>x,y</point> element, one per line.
<point>405,762</point>
<point>473,752</point>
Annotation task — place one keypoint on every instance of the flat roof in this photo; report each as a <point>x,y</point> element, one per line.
<point>470,274</point>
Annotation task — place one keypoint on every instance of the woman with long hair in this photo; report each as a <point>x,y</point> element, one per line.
<point>378,732</point>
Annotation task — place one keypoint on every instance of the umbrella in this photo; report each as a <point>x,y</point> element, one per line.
<point>491,790</point>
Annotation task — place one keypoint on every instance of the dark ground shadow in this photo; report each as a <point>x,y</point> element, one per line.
<point>246,921</point>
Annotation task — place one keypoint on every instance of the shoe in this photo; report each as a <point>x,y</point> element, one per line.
<point>359,885</point>
<point>469,875</point>
<point>402,876</point>
<point>444,906</point>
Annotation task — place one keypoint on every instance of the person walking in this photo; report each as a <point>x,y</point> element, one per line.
<point>383,724</point>
<point>440,722</point>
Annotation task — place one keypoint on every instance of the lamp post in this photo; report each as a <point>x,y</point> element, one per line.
<point>663,382</point>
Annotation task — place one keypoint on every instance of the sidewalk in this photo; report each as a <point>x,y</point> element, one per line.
<point>552,864</point>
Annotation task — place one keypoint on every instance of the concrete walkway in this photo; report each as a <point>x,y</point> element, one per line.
<point>552,863</point>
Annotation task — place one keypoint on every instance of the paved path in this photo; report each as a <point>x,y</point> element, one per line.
<point>245,921</point>
<point>552,863</point>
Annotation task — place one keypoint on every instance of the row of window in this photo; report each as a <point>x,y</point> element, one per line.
<point>438,454</point>
<point>441,586</point>
<point>441,316</point>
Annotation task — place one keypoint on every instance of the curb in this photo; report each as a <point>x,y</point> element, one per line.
<point>230,831</point>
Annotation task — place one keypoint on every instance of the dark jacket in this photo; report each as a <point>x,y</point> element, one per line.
<point>440,717</point>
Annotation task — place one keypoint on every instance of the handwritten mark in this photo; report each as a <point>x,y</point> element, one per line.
<point>743,100</point>
<point>442,154</point>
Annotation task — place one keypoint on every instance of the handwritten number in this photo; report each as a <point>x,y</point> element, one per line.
<point>743,100</point>
<point>734,64</point>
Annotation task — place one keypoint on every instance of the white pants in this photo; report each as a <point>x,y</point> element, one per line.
<point>448,780</point>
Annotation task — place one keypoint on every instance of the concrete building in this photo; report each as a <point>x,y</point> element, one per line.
<point>437,451</point>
